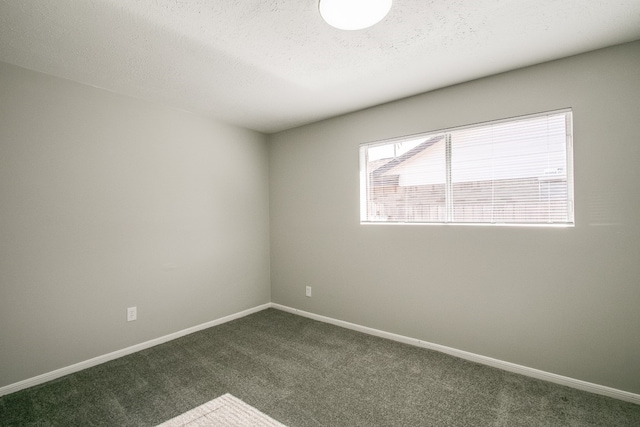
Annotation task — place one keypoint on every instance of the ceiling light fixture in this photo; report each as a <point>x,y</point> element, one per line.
<point>353,14</point>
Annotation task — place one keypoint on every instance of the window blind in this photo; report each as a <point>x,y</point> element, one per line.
<point>513,171</point>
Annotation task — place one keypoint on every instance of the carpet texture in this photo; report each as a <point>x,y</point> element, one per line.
<point>224,411</point>
<point>302,373</point>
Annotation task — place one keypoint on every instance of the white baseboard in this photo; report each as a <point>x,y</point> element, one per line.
<point>41,379</point>
<point>496,363</point>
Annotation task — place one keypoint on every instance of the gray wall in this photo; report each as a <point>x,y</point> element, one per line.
<point>565,301</point>
<point>108,202</point>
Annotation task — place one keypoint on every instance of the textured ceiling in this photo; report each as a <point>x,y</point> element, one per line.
<point>270,65</point>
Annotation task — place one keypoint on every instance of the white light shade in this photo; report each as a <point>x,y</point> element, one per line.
<point>353,14</point>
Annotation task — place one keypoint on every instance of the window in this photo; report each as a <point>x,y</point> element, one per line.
<point>513,171</point>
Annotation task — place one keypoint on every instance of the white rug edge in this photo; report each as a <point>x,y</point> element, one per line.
<point>225,410</point>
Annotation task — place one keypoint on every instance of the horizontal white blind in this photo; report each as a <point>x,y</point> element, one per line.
<point>515,171</point>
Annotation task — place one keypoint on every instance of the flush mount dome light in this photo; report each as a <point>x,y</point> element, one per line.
<point>353,14</point>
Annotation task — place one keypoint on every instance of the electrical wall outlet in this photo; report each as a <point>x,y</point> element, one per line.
<point>132,314</point>
<point>308,291</point>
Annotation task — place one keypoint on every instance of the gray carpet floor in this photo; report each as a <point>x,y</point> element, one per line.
<point>306,373</point>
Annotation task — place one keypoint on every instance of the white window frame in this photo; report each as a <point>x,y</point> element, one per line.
<point>365,180</point>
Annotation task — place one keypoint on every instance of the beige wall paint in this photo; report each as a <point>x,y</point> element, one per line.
<point>563,300</point>
<point>108,202</point>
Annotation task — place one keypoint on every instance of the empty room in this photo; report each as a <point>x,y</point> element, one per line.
<point>319,213</point>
